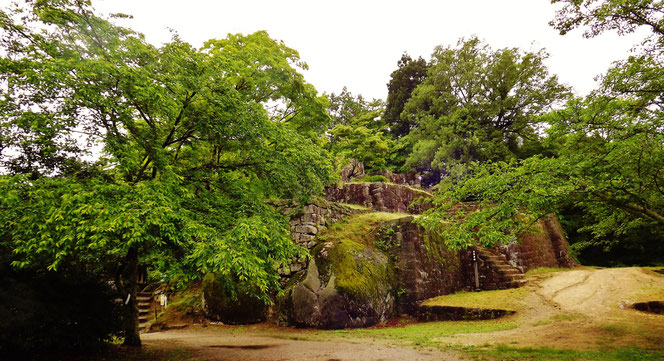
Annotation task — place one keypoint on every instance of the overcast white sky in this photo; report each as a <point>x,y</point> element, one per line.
<point>358,43</point>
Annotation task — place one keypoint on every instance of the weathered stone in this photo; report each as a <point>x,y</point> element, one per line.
<point>360,298</point>
<point>380,196</point>
<point>305,238</point>
<point>219,306</point>
<point>306,229</point>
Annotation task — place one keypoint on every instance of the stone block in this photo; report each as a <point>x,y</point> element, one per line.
<point>306,229</point>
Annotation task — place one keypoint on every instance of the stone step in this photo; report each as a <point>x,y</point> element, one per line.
<point>510,272</point>
<point>518,283</point>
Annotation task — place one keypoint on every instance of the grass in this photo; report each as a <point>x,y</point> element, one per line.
<point>427,334</point>
<point>358,228</point>
<point>504,352</point>
<point>508,299</point>
<point>560,317</point>
<point>355,206</point>
<point>543,270</point>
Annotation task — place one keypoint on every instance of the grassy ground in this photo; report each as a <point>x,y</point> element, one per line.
<point>359,228</point>
<point>509,299</point>
<point>505,352</point>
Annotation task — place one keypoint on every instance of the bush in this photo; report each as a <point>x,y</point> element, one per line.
<point>374,178</point>
<point>48,311</point>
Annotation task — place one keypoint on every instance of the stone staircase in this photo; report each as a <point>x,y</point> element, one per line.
<point>508,275</point>
<point>144,299</point>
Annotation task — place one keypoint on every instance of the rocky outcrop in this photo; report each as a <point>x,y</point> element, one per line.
<point>218,305</point>
<point>409,179</point>
<point>346,285</point>
<point>391,269</point>
<point>546,246</point>
<point>384,197</point>
<point>306,221</point>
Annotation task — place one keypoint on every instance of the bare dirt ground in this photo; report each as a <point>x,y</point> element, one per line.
<point>579,309</point>
<point>265,344</point>
<point>582,309</point>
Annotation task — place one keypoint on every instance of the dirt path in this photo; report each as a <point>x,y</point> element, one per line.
<point>581,309</point>
<point>578,309</point>
<point>218,344</point>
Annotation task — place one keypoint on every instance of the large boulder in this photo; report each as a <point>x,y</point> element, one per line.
<point>346,285</point>
<point>219,305</point>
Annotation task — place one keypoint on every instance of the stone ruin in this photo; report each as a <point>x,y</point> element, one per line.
<point>411,266</point>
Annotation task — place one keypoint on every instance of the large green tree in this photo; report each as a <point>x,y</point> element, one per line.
<point>409,74</point>
<point>117,152</point>
<point>358,131</point>
<point>477,104</point>
<point>607,151</point>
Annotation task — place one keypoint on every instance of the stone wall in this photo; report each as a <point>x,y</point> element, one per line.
<point>424,267</point>
<point>410,178</point>
<point>380,196</point>
<point>546,247</point>
<point>306,221</point>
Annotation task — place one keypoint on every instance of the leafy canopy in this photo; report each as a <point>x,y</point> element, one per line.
<point>187,146</point>
<point>606,153</point>
<point>477,104</point>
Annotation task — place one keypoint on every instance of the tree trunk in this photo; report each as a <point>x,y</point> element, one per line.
<point>132,336</point>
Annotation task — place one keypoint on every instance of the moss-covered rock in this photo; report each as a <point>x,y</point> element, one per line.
<point>220,306</point>
<point>347,284</point>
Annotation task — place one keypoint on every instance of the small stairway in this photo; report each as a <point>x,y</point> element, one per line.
<point>511,277</point>
<point>144,299</point>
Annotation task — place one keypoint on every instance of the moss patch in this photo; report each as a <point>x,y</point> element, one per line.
<point>358,269</point>
<point>360,228</point>
<point>355,206</point>
<point>499,299</point>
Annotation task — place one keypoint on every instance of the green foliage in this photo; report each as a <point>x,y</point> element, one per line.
<point>477,104</point>
<point>188,144</point>
<point>409,74</point>
<point>604,161</point>
<point>384,239</point>
<point>68,310</point>
<point>358,131</point>
<point>373,178</point>
<point>598,16</point>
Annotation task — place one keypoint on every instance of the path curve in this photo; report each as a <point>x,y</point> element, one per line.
<point>219,345</point>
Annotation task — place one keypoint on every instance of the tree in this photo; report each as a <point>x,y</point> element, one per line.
<point>190,150</point>
<point>598,16</point>
<point>477,104</point>
<point>409,74</point>
<point>607,152</point>
<point>358,132</point>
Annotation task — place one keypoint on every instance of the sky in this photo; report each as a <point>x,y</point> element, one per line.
<point>357,43</point>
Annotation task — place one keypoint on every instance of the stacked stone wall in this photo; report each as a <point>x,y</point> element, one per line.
<point>309,220</point>
<point>424,267</point>
<point>380,196</point>
<point>409,179</point>
<point>547,246</point>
